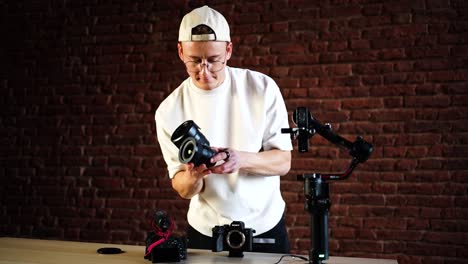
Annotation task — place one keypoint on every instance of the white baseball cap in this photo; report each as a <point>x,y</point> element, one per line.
<point>204,16</point>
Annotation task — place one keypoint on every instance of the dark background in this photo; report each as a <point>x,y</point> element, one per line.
<point>80,82</point>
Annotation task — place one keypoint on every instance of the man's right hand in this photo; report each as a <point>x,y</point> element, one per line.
<point>189,181</point>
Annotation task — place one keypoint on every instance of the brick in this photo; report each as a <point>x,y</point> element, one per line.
<point>432,101</point>
<point>360,44</point>
<point>132,129</point>
<point>444,237</point>
<point>369,199</point>
<point>423,188</point>
<point>306,71</point>
<point>292,59</point>
<point>146,151</point>
<point>365,246</point>
<point>429,249</point>
<point>358,56</point>
<point>393,54</point>
<point>453,113</point>
<point>341,233</point>
<point>374,68</point>
<point>120,235</point>
<point>338,70</point>
<point>340,12</point>
<point>337,45</point>
<point>393,115</point>
<point>383,223</point>
<point>107,183</point>
<point>361,103</point>
<point>351,188</point>
<point>95,172</point>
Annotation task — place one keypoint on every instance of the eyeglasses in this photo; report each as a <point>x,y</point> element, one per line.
<point>212,66</point>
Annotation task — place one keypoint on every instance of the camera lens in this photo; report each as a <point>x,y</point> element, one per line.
<point>192,151</point>
<point>193,145</point>
<point>235,239</point>
<point>186,129</point>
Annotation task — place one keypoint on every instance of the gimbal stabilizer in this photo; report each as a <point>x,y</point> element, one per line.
<point>316,186</point>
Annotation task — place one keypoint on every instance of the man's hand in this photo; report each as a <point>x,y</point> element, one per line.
<point>264,163</point>
<point>230,158</point>
<point>189,181</point>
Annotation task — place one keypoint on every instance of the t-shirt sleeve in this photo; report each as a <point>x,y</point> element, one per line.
<point>276,119</point>
<point>169,150</point>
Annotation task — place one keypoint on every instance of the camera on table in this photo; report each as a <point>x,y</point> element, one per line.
<point>193,145</point>
<point>161,244</point>
<point>234,238</point>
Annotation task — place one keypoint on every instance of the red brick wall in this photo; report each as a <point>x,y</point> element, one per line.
<point>80,81</point>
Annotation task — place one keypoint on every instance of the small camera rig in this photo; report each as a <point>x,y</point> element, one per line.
<point>316,186</point>
<point>161,244</point>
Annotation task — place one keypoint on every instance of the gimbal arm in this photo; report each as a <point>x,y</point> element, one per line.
<point>307,126</point>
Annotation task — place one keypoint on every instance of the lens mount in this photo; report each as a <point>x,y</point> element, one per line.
<point>236,235</point>
<point>188,149</point>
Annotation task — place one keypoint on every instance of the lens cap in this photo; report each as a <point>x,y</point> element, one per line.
<point>109,250</point>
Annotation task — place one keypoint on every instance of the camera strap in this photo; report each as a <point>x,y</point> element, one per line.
<point>164,236</point>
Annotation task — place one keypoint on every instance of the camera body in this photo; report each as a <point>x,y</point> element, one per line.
<point>234,238</point>
<point>161,245</point>
<point>173,249</point>
<point>193,145</point>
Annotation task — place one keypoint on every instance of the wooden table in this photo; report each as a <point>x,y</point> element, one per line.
<point>36,251</point>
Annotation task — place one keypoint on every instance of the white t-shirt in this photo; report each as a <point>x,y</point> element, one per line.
<point>246,113</point>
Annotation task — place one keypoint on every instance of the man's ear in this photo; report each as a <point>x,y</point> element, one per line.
<point>180,51</point>
<point>228,50</point>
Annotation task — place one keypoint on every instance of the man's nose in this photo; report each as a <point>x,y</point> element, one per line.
<point>204,67</point>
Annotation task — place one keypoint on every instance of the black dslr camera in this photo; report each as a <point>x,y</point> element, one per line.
<point>234,237</point>
<point>193,145</point>
<point>161,245</point>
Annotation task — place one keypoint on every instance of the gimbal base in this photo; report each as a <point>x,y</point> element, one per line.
<point>318,203</point>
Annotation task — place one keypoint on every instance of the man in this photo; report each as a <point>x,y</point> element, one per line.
<point>241,113</point>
